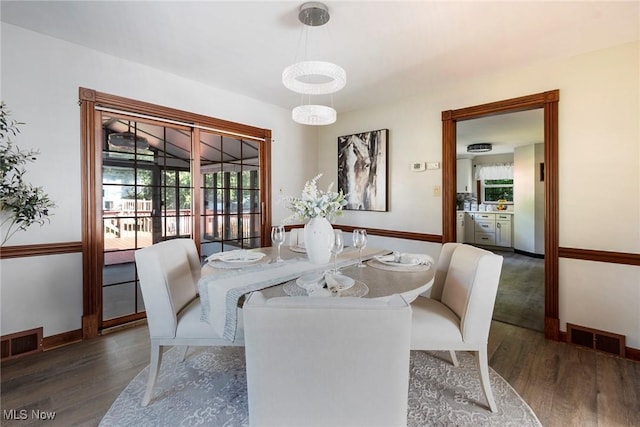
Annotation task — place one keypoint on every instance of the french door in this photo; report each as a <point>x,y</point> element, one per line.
<point>146,198</point>
<point>156,179</point>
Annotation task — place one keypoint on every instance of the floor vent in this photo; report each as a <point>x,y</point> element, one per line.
<point>21,343</point>
<point>598,340</point>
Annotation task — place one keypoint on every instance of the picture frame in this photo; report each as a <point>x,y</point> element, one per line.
<point>363,168</point>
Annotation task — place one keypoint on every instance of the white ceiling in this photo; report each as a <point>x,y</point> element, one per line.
<point>390,50</point>
<point>505,132</point>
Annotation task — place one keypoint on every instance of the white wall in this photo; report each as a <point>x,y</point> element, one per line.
<point>413,203</point>
<point>40,80</point>
<point>599,138</point>
<point>526,222</point>
<point>599,144</point>
<point>539,195</point>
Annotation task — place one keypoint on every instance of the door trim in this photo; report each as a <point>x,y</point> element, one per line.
<point>90,102</point>
<point>549,102</point>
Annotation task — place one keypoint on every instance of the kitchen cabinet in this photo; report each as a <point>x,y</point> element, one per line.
<point>460,227</point>
<point>485,229</point>
<point>493,229</point>
<point>464,176</point>
<point>503,230</point>
<point>469,228</point>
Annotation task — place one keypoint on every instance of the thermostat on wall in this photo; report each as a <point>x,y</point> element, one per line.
<point>418,166</point>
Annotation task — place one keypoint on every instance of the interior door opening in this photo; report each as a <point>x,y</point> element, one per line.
<point>507,170</point>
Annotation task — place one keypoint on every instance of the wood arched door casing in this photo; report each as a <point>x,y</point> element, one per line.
<point>549,102</point>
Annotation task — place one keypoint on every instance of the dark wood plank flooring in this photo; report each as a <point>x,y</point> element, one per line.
<point>520,298</point>
<point>564,384</point>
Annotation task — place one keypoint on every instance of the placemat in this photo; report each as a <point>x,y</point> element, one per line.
<point>359,289</point>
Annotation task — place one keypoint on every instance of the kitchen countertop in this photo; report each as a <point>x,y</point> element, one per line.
<point>496,211</point>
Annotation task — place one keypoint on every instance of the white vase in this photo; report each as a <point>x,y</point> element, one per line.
<point>316,240</point>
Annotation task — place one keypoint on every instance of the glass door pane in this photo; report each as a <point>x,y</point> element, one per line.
<point>147,191</point>
<point>231,211</point>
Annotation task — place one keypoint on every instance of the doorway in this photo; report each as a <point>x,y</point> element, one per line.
<point>499,182</point>
<point>548,101</point>
<point>147,197</point>
<point>151,174</point>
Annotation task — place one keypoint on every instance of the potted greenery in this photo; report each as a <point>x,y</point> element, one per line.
<point>319,208</point>
<point>21,204</point>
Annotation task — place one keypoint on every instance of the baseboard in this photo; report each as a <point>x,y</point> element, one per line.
<point>552,329</point>
<point>65,338</point>
<point>529,254</point>
<point>633,354</point>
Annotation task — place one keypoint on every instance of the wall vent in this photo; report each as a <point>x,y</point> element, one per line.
<point>21,343</point>
<point>598,340</point>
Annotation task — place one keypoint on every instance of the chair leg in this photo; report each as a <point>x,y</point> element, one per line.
<point>184,354</point>
<point>483,365</point>
<point>454,358</point>
<point>154,368</point>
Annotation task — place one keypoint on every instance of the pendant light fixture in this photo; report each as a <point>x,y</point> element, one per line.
<point>312,78</point>
<point>128,141</point>
<point>479,148</point>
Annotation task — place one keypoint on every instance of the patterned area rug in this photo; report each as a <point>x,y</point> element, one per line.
<point>209,389</point>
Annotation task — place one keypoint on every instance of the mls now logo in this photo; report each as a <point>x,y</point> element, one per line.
<point>14,414</point>
<point>23,414</point>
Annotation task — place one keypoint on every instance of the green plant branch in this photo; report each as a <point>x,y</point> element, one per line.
<point>22,203</point>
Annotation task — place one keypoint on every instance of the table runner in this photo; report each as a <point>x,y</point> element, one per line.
<point>221,291</point>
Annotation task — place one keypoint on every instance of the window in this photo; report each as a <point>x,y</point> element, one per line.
<point>496,189</point>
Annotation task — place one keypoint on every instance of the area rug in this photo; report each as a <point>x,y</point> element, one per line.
<point>210,389</point>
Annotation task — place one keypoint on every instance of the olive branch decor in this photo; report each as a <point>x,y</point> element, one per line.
<point>21,203</point>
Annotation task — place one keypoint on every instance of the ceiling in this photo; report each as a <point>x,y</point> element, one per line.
<point>505,132</point>
<point>390,50</point>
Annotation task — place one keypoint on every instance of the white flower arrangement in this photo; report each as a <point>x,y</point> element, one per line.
<point>315,203</point>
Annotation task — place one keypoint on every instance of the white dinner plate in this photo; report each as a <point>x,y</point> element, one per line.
<point>299,249</point>
<point>311,281</point>
<point>339,282</point>
<point>391,260</point>
<point>238,257</point>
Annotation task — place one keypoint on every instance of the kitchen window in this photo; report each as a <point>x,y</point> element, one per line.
<point>496,189</point>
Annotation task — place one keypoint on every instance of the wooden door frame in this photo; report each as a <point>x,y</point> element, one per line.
<point>549,102</point>
<point>91,161</point>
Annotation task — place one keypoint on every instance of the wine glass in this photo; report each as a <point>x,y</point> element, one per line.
<point>277,237</point>
<point>360,241</point>
<point>336,245</point>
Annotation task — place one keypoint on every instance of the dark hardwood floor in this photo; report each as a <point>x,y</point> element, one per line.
<point>564,384</point>
<point>520,298</point>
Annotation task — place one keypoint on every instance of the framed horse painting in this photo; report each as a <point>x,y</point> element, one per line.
<point>363,170</point>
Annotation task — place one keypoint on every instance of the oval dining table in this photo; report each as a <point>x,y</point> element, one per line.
<point>223,286</point>
<point>382,281</point>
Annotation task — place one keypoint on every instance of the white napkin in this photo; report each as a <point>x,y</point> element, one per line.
<point>311,282</point>
<point>406,258</point>
<point>338,282</point>
<point>322,292</point>
<point>240,255</point>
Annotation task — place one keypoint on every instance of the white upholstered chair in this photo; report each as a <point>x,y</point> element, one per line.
<point>327,361</point>
<point>458,314</point>
<point>296,237</point>
<point>168,273</point>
